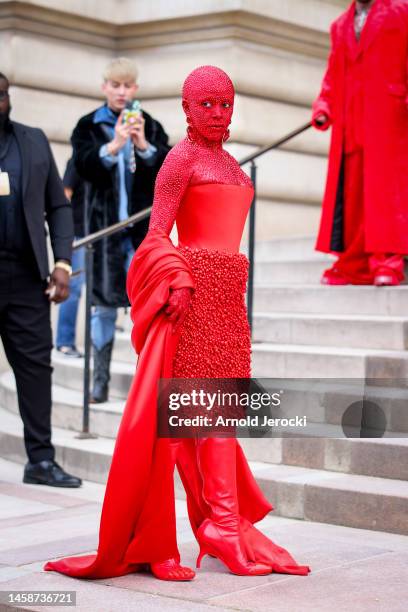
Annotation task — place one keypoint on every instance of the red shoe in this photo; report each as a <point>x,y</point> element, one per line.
<point>171,570</point>
<point>386,277</point>
<point>333,276</point>
<point>225,544</point>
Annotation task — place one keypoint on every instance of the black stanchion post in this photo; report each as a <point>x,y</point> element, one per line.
<point>251,249</point>
<point>87,358</point>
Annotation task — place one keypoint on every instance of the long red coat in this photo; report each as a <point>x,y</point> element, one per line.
<point>381,58</point>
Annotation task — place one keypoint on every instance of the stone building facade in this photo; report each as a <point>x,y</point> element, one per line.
<point>54,52</point>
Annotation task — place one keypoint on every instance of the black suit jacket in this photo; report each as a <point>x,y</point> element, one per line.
<point>43,197</point>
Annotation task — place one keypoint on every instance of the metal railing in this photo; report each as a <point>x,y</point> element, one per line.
<point>89,241</point>
<point>251,232</point>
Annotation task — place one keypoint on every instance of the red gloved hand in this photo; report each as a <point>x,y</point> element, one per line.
<point>321,121</point>
<point>177,306</point>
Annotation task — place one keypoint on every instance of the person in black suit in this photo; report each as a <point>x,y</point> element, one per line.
<point>68,311</point>
<point>31,192</point>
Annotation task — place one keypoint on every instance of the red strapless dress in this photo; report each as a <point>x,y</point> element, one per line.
<point>138,516</point>
<point>215,338</point>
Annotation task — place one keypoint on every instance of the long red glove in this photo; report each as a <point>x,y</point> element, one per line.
<point>178,305</point>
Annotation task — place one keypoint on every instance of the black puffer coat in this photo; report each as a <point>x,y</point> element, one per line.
<point>102,201</point>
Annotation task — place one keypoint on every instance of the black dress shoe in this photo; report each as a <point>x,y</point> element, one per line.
<point>49,473</point>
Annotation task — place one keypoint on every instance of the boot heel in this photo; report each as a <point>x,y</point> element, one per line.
<point>203,552</point>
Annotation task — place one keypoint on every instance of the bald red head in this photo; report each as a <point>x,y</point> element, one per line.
<point>207,79</point>
<point>208,101</point>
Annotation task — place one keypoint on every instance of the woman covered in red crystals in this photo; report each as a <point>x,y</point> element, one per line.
<point>190,321</point>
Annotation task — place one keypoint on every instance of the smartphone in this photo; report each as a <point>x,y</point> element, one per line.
<point>132,111</point>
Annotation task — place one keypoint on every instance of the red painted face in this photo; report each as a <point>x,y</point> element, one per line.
<point>208,101</point>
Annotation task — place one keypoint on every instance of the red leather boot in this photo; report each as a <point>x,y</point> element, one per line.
<point>220,535</point>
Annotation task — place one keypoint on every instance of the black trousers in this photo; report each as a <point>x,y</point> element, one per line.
<point>25,330</point>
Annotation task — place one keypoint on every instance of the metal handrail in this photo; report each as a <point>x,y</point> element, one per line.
<point>112,229</point>
<point>275,144</point>
<point>251,232</point>
<point>90,240</point>
<point>88,243</point>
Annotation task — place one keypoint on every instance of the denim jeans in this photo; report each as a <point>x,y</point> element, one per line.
<point>68,310</point>
<point>103,318</point>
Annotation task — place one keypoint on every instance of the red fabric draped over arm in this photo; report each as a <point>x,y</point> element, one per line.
<point>138,518</point>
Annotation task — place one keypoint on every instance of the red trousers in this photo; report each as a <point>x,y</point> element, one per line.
<point>357,265</point>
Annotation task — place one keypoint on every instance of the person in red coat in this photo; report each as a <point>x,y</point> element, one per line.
<point>364,96</point>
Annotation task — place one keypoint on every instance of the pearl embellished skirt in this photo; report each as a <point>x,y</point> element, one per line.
<point>215,336</point>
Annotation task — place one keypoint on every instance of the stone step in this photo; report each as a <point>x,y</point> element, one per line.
<point>122,348</point>
<point>374,332</point>
<point>269,360</point>
<point>329,405</point>
<point>302,361</point>
<point>88,458</point>
<point>307,270</point>
<point>67,408</point>
<point>286,249</point>
<point>364,502</point>
<point>391,400</point>
<point>296,271</point>
<point>346,300</point>
<point>68,373</point>
<point>386,457</point>
<point>378,457</point>
<point>343,499</point>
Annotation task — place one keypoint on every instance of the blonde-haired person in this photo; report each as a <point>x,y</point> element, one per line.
<point>121,69</point>
<point>119,161</point>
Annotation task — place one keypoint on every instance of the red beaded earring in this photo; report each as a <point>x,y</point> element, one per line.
<point>226,136</point>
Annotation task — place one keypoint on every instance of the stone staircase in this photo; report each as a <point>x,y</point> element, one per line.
<point>301,330</point>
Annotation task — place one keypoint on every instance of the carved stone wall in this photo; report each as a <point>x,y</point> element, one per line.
<point>54,52</point>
